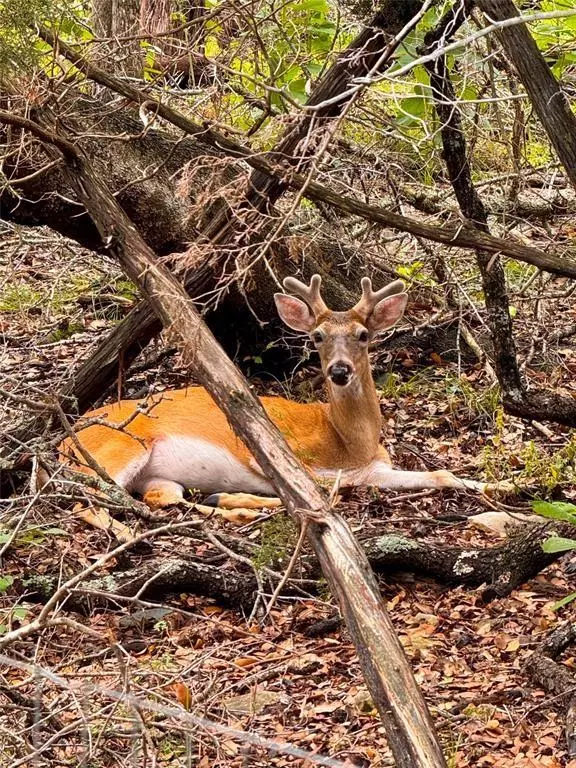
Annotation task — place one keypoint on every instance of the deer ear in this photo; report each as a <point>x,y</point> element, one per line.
<point>387,312</point>
<point>294,313</point>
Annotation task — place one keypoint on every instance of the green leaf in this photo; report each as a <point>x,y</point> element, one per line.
<point>297,90</point>
<point>310,5</point>
<point>558,544</point>
<point>414,106</point>
<point>421,76</point>
<point>5,583</point>
<point>556,510</point>
<point>314,69</point>
<point>469,93</point>
<point>564,601</point>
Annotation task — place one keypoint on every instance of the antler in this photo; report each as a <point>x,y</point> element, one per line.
<point>370,298</point>
<point>310,293</point>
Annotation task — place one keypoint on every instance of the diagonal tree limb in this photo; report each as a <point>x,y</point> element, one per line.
<point>390,680</point>
<point>550,103</point>
<point>517,400</point>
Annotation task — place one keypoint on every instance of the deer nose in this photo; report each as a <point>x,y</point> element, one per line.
<point>340,373</point>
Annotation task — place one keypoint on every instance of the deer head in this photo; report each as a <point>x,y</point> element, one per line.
<point>341,338</point>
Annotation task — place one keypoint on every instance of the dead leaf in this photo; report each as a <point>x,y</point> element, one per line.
<point>246,661</point>
<point>183,694</point>
<point>254,702</point>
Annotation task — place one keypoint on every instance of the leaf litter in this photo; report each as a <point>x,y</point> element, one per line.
<point>274,680</point>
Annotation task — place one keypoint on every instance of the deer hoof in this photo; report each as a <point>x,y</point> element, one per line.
<point>502,488</point>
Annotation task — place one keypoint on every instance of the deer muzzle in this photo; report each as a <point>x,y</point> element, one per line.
<point>340,373</point>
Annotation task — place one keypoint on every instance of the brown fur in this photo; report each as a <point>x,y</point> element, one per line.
<point>342,434</point>
<point>308,428</point>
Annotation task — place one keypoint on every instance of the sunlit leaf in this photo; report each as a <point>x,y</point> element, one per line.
<point>556,510</point>
<point>558,544</point>
<point>564,601</point>
<point>5,583</point>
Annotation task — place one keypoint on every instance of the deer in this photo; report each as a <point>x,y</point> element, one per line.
<point>180,439</point>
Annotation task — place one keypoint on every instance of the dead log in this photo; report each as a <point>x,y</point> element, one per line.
<point>549,674</point>
<point>457,236</point>
<point>389,677</point>
<point>499,569</point>
<point>262,190</point>
<point>233,586</point>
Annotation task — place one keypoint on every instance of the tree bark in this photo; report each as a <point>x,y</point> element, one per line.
<point>458,167</point>
<point>550,103</point>
<point>545,671</point>
<point>499,569</point>
<point>117,20</point>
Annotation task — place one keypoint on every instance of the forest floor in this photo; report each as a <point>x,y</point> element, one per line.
<point>151,684</point>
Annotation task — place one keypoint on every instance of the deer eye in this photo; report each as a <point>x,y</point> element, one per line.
<point>317,337</point>
<point>363,337</point>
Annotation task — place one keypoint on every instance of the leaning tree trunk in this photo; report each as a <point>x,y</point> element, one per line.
<point>409,727</point>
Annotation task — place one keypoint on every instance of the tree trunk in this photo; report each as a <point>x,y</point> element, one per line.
<point>550,103</point>
<point>455,157</point>
<point>115,21</point>
<point>101,18</point>
<point>389,678</point>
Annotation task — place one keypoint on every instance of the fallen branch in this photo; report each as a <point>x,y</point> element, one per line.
<point>556,678</point>
<point>459,236</point>
<point>388,675</point>
<point>499,569</point>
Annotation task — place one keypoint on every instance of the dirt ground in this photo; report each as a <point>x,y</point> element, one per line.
<point>186,681</point>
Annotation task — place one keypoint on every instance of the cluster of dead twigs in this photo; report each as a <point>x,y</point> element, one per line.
<point>241,226</point>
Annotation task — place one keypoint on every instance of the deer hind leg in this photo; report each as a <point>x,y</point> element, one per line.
<point>158,493</point>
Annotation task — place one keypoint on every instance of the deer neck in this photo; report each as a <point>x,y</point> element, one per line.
<point>354,412</point>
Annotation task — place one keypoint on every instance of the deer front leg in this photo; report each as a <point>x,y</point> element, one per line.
<point>244,500</point>
<point>382,475</point>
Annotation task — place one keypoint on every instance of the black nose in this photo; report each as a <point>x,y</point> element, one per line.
<point>340,373</point>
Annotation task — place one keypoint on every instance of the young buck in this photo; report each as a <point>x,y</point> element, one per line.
<point>182,440</point>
